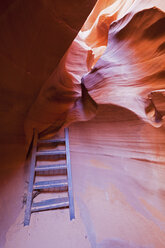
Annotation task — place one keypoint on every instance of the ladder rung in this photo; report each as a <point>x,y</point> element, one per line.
<point>53,167</point>
<point>50,153</point>
<point>50,204</point>
<point>42,141</point>
<point>50,184</point>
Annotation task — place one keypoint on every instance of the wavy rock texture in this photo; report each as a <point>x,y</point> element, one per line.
<point>120,65</point>
<point>118,173</point>
<point>132,65</point>
<point>34,35</point>
<point>117,158</point>
<point>118,181</point>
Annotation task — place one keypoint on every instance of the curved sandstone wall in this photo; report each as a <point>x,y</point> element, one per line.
<point>119,57</point>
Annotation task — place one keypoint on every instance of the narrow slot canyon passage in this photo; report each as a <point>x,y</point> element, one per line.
<point>97,68</point>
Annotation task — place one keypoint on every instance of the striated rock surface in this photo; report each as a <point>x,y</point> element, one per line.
<point>118,173</point>
<point>118,181</point>
<point>117,157</point>
<point>119,54</point>
<point>132,65</point>
<point>34,35</point>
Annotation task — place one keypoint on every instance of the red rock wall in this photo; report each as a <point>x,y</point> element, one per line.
<point>34,35</point>
<point>117,158</point>
<point>131,65</point>
<point>118,177</point>
<point>118,182</point>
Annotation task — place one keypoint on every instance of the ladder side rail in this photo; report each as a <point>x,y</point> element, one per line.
<point>69,173</point>
<point>31,180</point>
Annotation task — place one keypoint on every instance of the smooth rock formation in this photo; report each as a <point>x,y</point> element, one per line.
<point>121,64</point>
<point>118,181</point>
<point>132,65</point>
<point>117,157</point>
<point>34,35</point>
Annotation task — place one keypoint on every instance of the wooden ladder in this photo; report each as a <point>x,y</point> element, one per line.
<point>43,163</point>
